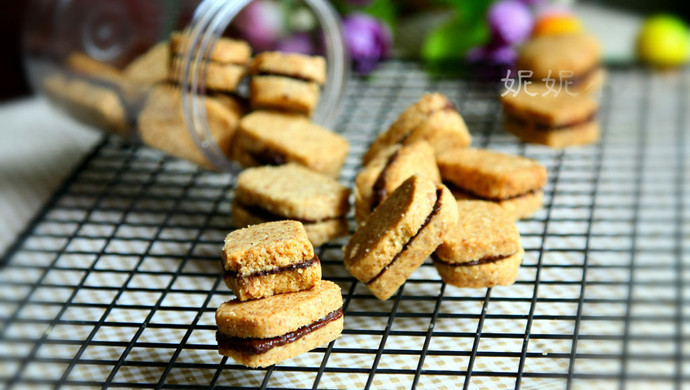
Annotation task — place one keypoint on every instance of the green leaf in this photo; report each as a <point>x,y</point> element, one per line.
<point>452,40</point>
<point>385,10</point>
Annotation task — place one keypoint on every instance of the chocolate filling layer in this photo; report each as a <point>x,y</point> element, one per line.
<point>276,270</point>
<point>288,76</point>
<point>434,211</point>
<point>256,346</point>
<point>533,124</point>
<point>268,157</point>
<point>472,194</point>
<point>268,215</point>
<point>379,189</point>
<point>483,260</point>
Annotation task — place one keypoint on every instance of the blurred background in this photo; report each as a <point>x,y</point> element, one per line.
<point>431,30</point>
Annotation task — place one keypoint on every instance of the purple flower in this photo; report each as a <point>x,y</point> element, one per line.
<point>368,41</point>
<point>503,55</point>
<point>298,43</point>
<point>261,23</point>
<point>510,22</point>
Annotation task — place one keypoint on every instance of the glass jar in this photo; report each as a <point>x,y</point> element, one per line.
<point>102,62</point>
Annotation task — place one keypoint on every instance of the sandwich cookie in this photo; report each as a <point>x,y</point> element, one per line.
<point>513,182</point>
<point>573,58</point>
<point>384,173</point>
<point>433,118</point>
<point>482,250</point>
<point>401,232</point>
<point>292,192</point>
<point>162,125</point>
<point>225,65</point>
<point>267,259</point>
<point>274,138</point>
<point>263,332</point>
<point>537,116</point>
<point>286,81</point>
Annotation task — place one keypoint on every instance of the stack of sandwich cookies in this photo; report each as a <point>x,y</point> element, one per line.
<point>224,67</point>
<point>433,118</point>
<point>283,308</point>
<point>385,172</point>
<point>275,138</point>
<point>513,182</point>
<point>572,60</point>
<point>482,250</point>
<point>292,192</point>
<point>556,120</point>
<point>263,332</point>
<point>399,235</point>
<point>286,81</point>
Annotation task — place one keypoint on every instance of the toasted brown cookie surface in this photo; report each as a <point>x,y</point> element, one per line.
<point>226,50</point>
<point>491,175</point>
<point>482,249</point>
<point>283,93</point>
<point>273,138</point>
<point>299,66</point>
<point>262,332</point>
<point>433,118</point>
<point>400,233</point>
<point>162,124</point>
<point>151,67</point>
<point>548,55</point>
<point>388,170</point>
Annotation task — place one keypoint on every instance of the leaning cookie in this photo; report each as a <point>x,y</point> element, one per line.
<point>396,238</point>
<point>388,170</point>
<point>513,182</point>
<point>482,250</point>
<point>263,332</point>
<point>286,81</point>
<point>274,138</point>
<point>541,116</point>
<point>292,192</point>
<point>268,259</point>
<point>433,118</point>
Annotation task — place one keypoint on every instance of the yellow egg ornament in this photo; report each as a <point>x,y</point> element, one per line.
<point>663,41</point>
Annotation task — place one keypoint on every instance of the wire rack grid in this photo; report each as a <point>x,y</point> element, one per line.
<point>116,281</point>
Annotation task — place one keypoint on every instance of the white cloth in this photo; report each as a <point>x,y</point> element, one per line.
<point>39,147</point>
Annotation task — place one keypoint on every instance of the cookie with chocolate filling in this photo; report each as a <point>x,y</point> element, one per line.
<point>267,259</point>
<point>286,81</point>
<point>482,250</point>
<point>292,192</point>
<point>92,103</point>
<point>151,67</point>
<point>388,170</point>
<point>401,232</point>
<point>513,182</point>
<point>538,116</point>
<point>574,59</point>
<point>275,138</point>
<point>263,332</point>
<point>162,124</point>
<point>433,118</point>
<point>225,66</point>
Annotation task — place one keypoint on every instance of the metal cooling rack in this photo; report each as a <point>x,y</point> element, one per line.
<point>116,281</point>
